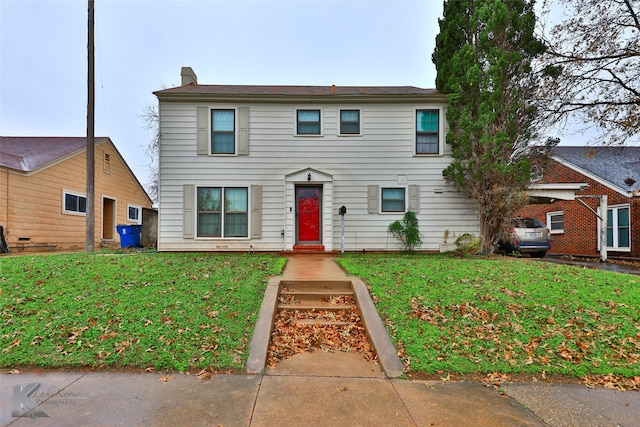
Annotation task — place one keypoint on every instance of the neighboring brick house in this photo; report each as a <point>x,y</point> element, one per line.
<point>611,171</point>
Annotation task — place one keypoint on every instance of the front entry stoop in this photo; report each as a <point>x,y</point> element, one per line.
<point>303,248</point>
<point>308,295</point>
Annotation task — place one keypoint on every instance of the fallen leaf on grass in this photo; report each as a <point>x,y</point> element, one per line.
<point>204,374</point>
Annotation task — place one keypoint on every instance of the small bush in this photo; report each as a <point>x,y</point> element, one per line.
<point>407,231</point>
<point>468,244</point>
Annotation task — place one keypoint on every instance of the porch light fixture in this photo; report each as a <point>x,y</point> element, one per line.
<point>309,177</point>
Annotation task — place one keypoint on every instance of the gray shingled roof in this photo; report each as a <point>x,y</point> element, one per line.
<point>251,90</point>
<point>611,164</point>
<point>27,153</point>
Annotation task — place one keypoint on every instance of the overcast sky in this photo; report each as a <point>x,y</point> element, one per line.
<point>141,46</point>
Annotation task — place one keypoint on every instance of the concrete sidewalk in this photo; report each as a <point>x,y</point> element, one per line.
<point>317,389</point>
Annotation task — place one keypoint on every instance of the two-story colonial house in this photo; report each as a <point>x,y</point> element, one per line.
<point>267,168</point>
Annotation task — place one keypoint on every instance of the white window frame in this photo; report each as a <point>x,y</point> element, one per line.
<point>406,195</point>
<point>72,193</point>
<point>133,220</point>
<point>339,117</point>
<point>551,214</point>
<point>615,247</point>
<point>295,122</point>
<point>222,213</point>
<point>210,130</point>
<point>441,130</point>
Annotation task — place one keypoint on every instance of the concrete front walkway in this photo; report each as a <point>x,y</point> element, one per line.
<point>328,392</point>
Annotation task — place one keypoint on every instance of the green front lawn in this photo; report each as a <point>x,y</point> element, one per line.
<point>144,310</point>
<point>505,315</point>
<point>192,311</point>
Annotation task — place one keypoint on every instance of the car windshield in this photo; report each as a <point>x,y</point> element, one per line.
<point>527,223</point>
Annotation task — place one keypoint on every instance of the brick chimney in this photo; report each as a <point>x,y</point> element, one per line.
<point>188,76</point>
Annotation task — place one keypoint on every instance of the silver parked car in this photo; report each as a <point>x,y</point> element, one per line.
<point>528,235</point>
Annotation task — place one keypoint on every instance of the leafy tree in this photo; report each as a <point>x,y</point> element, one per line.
<point>594,58</point>
<point>483,58</point>
<point>407,231</point>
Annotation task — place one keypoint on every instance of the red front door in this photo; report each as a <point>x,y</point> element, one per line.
<point>308,207</point>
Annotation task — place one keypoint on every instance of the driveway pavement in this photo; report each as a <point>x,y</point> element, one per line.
<point>594,263</point>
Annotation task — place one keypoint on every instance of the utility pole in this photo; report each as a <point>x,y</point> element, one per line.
<point>90,133</point>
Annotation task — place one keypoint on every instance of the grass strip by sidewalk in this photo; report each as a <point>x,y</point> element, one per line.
<point>505,315</point>
<point>143,310</point>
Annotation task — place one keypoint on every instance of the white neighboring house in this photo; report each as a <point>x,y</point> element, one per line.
<point>267,168</point>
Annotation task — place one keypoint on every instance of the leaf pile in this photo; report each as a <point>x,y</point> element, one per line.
<point>292,335</point>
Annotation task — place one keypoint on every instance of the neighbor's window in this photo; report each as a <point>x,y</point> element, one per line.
<point>223,212</point>
<point>133,213</point>
<point>618,227</point>
<point>223,135</point>
<point>427,132</point>
<point>308,122</point>
<point>349,122</point>
<point>393,200</point>
<point>75,203</point>
<point>555,222</point>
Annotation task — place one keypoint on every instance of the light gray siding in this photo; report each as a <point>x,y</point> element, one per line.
<point>276,158</point>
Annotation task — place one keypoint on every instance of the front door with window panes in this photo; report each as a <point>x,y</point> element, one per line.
<point>618,228</point>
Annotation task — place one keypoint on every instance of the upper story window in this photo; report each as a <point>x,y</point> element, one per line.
<point>223,212</point>
<point>74,203</point>
<point>308,122</point>
<point>349,122</point>
<point>223,131</point>
<point>555,222</point>
<point>427,131</point>
<point>393,200</point>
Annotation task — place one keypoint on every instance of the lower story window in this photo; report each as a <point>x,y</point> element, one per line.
<point>223,212</point>
<point>133,214</point>
<point>555,222</point>
<point>75,203</point>
<point>393,200</point>
<point>618,227</point>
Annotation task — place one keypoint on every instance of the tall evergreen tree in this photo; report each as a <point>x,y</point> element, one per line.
<point>483,58</point>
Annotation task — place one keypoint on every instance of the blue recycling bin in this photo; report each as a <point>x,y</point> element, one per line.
<point>129,235</point>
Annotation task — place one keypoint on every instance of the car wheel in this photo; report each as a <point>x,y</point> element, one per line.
<point>540,254</point>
